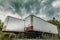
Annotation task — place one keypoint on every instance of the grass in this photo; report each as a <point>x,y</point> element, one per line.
<point>22,37</point>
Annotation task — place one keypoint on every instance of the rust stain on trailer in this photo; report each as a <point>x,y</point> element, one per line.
<point>30,28</point>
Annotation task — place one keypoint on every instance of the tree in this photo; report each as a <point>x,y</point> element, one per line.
<point>1,24</point>
<point>54,21</point>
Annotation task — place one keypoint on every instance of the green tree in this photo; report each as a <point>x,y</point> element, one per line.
<point>1,24</point>
<point>55,22</point>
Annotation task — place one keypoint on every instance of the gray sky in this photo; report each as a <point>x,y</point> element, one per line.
<point>46,9</point>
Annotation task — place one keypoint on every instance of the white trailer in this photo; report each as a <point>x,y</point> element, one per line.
<point>40,25</point>
<point>13,24</point>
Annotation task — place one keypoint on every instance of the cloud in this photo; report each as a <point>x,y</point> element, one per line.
<point>57,16</point>
<point>44,8</point>
<point>56,4</point>
<point>43,16</point>
<point>4,14</point>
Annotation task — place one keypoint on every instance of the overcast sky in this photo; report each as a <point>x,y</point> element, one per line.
<point>45,9</point>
